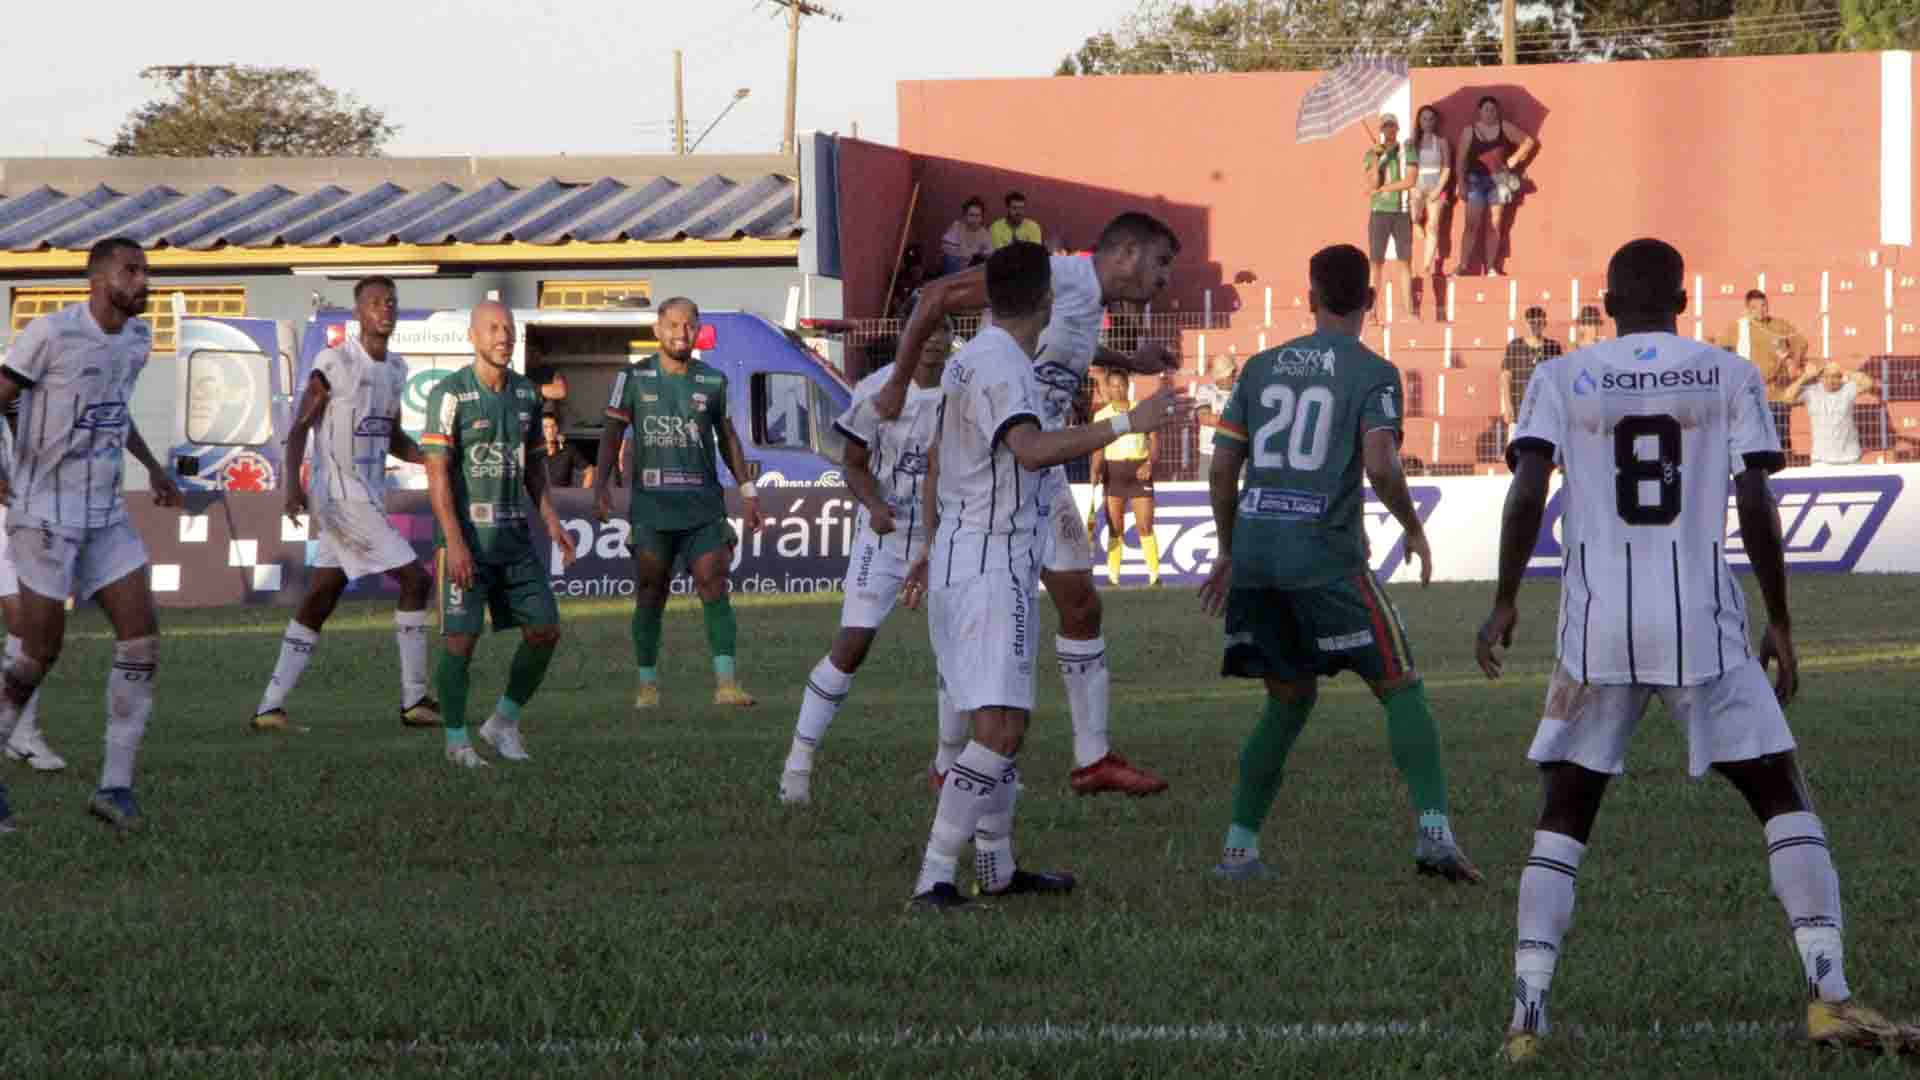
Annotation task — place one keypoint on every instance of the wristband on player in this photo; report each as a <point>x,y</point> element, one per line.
<point>1121,425</point>
<point>748,491</point>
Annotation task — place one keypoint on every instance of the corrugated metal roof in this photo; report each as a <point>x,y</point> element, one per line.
<point>744,206</point>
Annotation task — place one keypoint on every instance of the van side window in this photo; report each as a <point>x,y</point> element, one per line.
<point>782,411</point>
<point>229,398</point>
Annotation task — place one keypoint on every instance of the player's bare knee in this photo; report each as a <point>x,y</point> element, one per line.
<point>1293,691</point>
<point>1000,730</point>
<point>711,590</point>
<point>459,644</point>
<point>415,586</point>
<point>1386,688</point>
<point>850,649</point>
<point>542,637</point>
<point>1078,605</point>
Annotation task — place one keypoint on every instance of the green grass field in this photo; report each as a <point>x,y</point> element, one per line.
<point>636,901</point>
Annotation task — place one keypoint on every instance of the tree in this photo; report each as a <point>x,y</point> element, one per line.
<point>232,111</point>
<point>1277,35</point>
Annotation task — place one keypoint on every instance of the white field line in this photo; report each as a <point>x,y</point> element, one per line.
<point>767,1043</point>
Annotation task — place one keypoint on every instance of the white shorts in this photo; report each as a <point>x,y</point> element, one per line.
<point>872,585</point>
<point>357,539</point>
<point>1732,718</point>
<point>9,581</point>
<point>983,634</point>
<point>76,563</point>
<point>1065,547</point>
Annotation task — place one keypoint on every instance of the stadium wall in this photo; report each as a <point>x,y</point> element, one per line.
<point>1738,161</point>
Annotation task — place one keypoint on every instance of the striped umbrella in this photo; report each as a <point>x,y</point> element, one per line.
<point>1357,88</point>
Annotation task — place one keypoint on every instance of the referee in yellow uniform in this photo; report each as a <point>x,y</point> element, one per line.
<point>1126,468</point>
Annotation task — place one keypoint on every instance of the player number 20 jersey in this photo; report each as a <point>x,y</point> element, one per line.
<point>1646,430</point>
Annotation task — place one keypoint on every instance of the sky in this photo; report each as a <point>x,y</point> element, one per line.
<point>531,76</point>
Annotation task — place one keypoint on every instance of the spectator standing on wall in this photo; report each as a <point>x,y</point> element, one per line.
<point>1829,393</point>
<point>1524,353</point>
<point>968,241</point>
<point>1776,348</point>
<point>1487,153</point>
<point>1434,184</point>
<point>1016,225</point>
<point>1389,179</point>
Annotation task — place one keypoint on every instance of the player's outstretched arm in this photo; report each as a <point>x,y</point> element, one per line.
<point>1380,453</point>
<point>866,488</point>
<point>313,406</point>
<point>1035,449</point>
<point>941,298</point>
<point>1519,531</point>
<point>1767,555</point>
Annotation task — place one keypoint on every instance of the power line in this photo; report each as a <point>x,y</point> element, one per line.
<point>1791,22</point>
<point>1307,48</point>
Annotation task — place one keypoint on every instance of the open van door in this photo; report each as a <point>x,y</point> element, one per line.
<point>216,410</point>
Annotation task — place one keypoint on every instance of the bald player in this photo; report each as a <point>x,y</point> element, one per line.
<point>483,423</point>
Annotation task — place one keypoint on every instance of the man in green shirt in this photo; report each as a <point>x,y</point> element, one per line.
<point>483,424</point>
<point>1388,179</point>
<point>677,406</point>
<point>1308,419</point>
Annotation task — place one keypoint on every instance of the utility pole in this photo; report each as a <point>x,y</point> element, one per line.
<point>796,10</point>
<point>679,107</point>
<point>1509,20</point>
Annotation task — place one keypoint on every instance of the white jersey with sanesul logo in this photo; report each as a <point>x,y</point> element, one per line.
<point>76,380</point>
<point>1646,430</point>
<point>349,448</point>
<point>1067,346</point>
<point>896,456</point>
<point>990,507</point>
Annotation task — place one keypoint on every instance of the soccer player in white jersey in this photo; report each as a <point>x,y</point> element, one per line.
<point>1131,262</point>
<point>886,469</point>
<point>984,565</point>
<point>1646,429</point>
<point>351,406</point>
<point>28,743</point>
<point>67,528</point>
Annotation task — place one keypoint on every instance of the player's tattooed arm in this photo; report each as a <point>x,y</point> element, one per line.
<point>866,488</point>
<point>1036,449</point>
<point>965,291</point>
<point>1767,556</point>
<point>313,406</point>
<point>1381,452</point>
<point>165,491</point>
<point>736,458</point>
<point>1151,358</point>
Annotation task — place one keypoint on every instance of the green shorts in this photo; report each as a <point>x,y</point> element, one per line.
<point>1297,634</point>
<point>516,593</point>
<point>669,545</point>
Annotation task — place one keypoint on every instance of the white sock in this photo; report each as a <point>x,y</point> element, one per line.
<point>129,705</point>
<point>29,720</point>
<point>1805,882</point>
<point>21,670</point>
<point>1083,665</point>
<point>966,797</point>
<point>993,862</point>
<point>827,689</point>
<point>410,634</point>
<point>296,648</point>
<point>954,732</point>
<point>1546,910</point>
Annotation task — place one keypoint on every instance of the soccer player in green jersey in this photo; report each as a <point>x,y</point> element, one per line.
<point>1307,419</point>
<point>677,406</point>
<point>483,423</point>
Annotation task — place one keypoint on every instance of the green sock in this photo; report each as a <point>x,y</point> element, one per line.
<point>721,631</point>
<point>646,638</point>
<point>1261,761</point>
<point>523,677</point>
<point>450,678</point>
<point>1416,748</point>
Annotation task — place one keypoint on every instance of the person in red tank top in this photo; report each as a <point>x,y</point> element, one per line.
<point>1488,151</point>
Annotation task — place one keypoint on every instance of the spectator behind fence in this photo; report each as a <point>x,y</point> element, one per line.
<point>1587,328</point>
<point>1485,157</point>
<point>968,241</point>
<point>1431,190</point>
<point>1524,353</point>
<point>1016,225</point>
<point>565,464</point>
<point>1389,178</point>
<point>1829,392</point>
<point>1210,403</point>
<point>1776,348</point>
